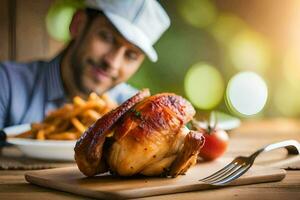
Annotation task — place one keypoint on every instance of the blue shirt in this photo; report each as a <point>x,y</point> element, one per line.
<point>29,90</point>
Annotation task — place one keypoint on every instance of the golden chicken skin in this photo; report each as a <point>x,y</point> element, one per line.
<point>145,135</point>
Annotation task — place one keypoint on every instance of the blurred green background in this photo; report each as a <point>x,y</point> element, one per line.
<point>231,36</point>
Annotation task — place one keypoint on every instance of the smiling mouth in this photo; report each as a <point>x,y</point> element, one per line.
<point>98,72</point>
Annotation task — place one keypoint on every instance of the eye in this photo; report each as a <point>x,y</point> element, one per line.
<point>106,36</point>
<point>132,55</point>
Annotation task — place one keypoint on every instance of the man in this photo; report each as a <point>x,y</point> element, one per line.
<point>109,42</point>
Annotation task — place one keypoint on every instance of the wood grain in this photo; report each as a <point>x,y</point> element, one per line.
<point>112,187</point>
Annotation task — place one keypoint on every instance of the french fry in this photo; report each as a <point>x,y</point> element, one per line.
<point>70,121</point>
<point>26,134</point>
<point>78,101</point>
<point>93,97</point>
<point>40,135</point>
<point>38,126</point>
<point>92,114</point>
<point>59,113</point>
<point>87,121</point>
<point>78,125</point>
<point>49,129</point>
<point>62,126</point>
<point>87,106</point>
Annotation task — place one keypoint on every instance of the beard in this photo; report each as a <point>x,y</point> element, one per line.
<point>78,67</point>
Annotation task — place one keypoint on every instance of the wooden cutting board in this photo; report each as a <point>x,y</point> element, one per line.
<point>107,186</point>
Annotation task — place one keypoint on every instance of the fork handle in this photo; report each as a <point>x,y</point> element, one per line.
<point>292,146</point>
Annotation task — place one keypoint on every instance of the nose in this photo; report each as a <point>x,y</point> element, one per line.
<point>115,57</point>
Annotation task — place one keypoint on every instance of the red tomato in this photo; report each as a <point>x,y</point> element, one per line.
<point>215,145</point>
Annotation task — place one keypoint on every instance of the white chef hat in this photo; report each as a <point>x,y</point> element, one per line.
<point>141,22</point>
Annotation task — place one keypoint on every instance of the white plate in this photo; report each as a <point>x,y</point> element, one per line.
<point>46,150</point>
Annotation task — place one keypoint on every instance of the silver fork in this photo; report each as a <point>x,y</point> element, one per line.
<point>241,164</point>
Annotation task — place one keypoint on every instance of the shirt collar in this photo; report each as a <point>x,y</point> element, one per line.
<point>55,89</point>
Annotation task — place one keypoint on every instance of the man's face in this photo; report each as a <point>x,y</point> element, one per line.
<point>101,58</point>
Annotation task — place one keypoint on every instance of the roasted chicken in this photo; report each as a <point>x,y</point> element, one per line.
<point>145,135</point>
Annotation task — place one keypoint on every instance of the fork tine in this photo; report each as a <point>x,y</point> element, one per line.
<point>220,172</point>
<point>239,172</point>
<point>227,167</point>
<point>220,178</point>
<point>223,174</point>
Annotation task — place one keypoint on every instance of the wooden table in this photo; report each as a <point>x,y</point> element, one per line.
<point>244,140</point>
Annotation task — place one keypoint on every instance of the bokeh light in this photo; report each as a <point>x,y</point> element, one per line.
<point>204,86</point>
<point>59,17</point>
<point>246,94</point>
<point>226,27</point>
<point>198,13</point>
<point>250,51</point>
